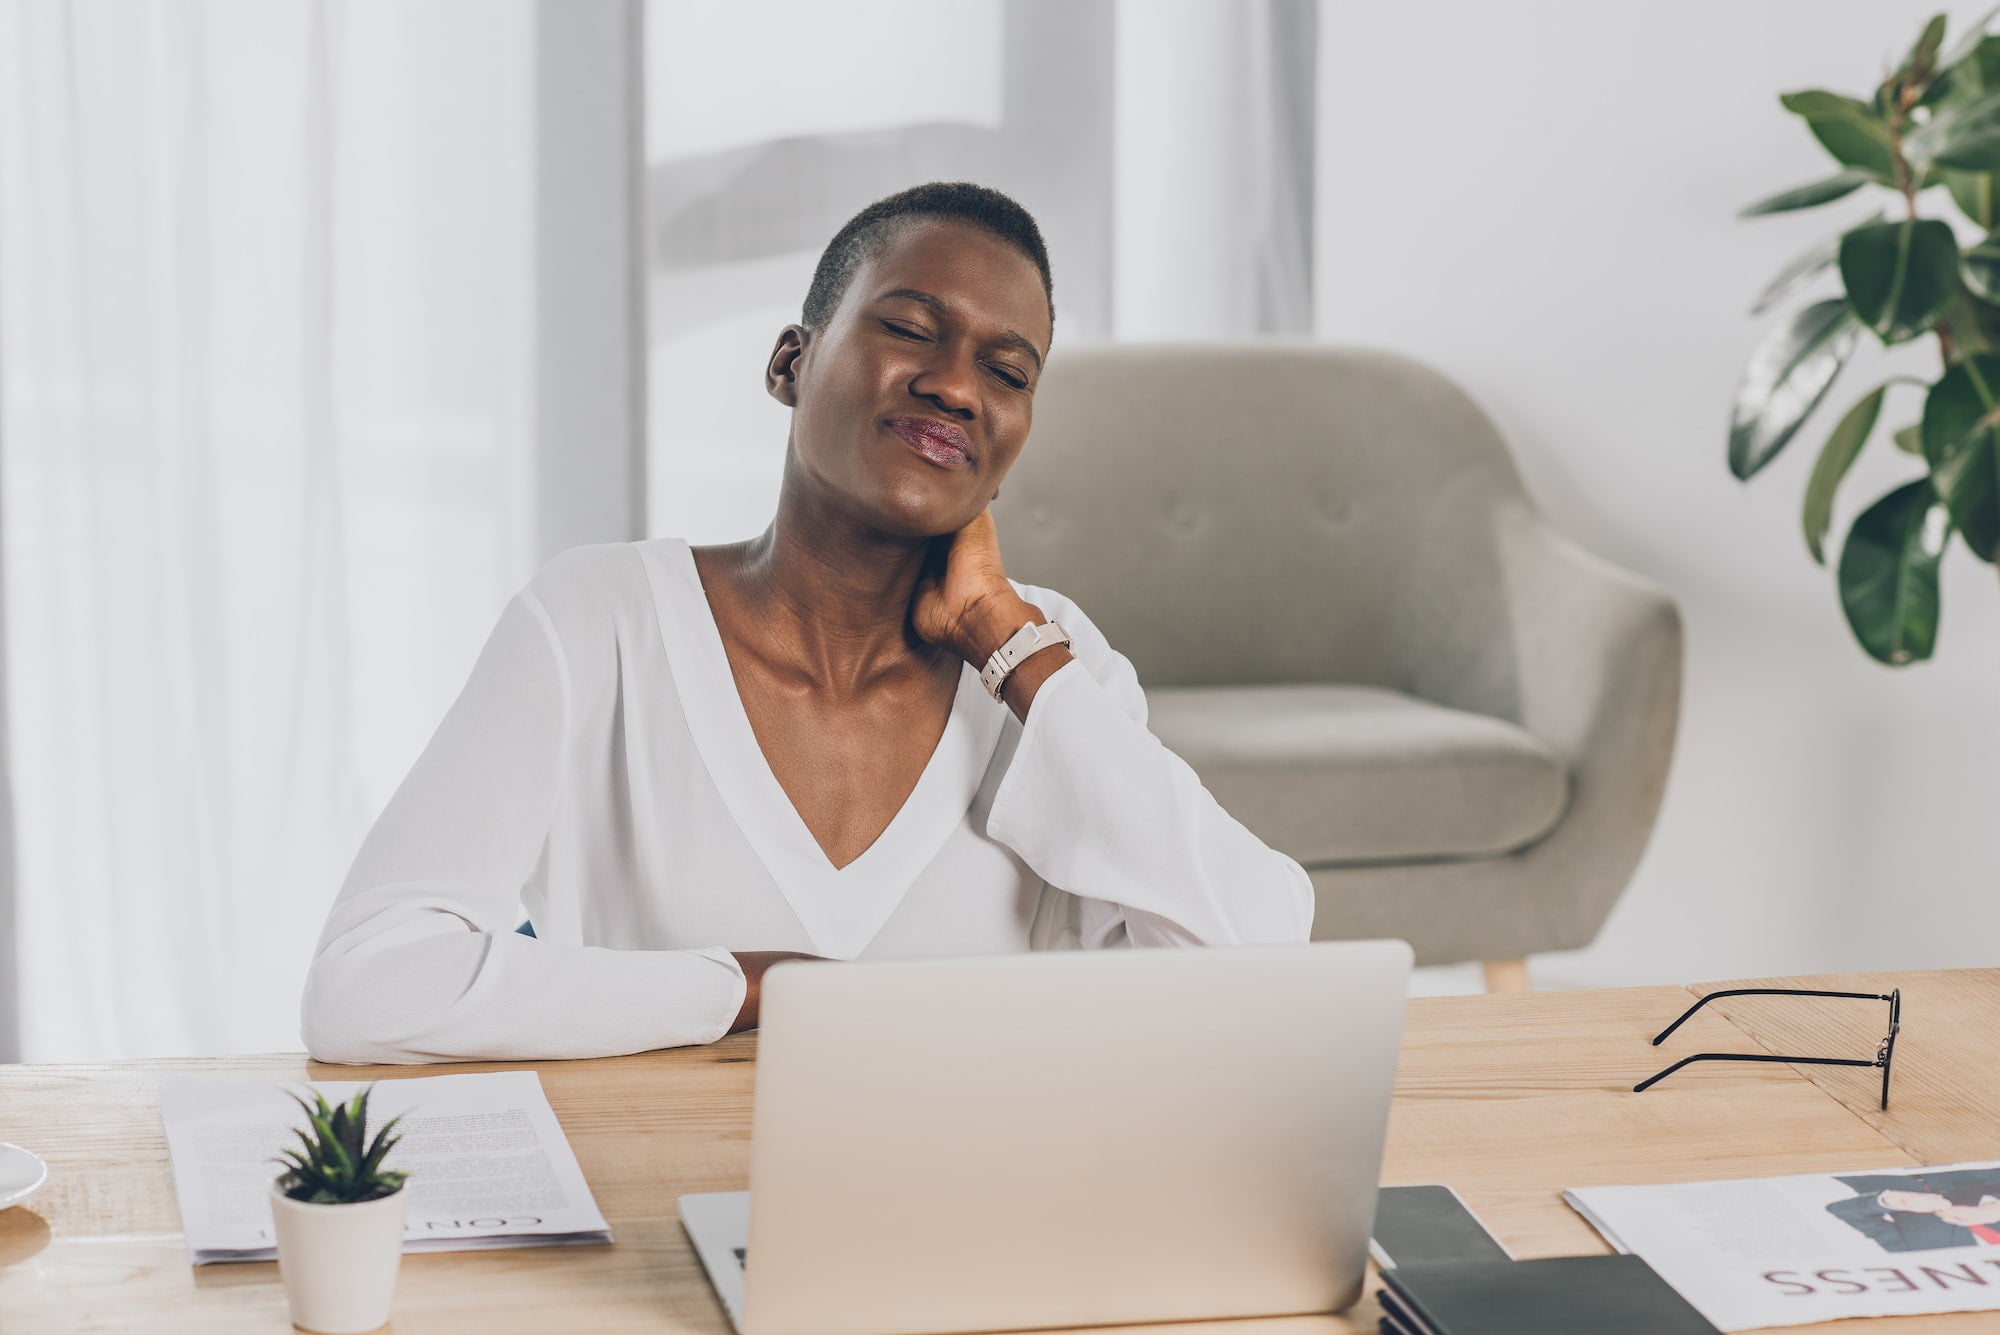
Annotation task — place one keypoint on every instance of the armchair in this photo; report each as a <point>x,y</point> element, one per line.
<point>1352,623</point>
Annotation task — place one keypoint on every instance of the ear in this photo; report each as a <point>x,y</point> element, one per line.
<point>781,373</point>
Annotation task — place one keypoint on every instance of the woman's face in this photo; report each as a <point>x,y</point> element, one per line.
<point>914,398</point>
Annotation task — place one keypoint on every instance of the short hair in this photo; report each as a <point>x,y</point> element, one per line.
<point>868,231</point>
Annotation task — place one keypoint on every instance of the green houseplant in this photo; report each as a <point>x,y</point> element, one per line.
<point>338,1165</point>
<point>1930,137</point>
<point>339,1217</point>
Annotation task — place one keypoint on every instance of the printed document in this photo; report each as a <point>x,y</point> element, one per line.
<point>489,1165</point>
<point>1786,1251</point>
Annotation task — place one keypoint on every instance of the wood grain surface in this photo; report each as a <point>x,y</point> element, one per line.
<point>1944,1090</point>
<point>1509,1098</point>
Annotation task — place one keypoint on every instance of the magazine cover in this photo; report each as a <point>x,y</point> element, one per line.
<point>1787,1251</point>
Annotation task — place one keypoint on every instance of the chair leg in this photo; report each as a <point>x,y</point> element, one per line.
<point>1507,976</point>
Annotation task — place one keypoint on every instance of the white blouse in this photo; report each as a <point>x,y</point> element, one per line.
<point>600,769</point>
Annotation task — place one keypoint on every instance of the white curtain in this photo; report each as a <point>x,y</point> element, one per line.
<point>264,302</point>
<point>1165,147</point>
<point>1213,175</point>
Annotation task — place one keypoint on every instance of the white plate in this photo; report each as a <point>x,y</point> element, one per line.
<point>20,1173</point>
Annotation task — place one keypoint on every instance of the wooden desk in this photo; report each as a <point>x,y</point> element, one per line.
<point>1509,1098</point>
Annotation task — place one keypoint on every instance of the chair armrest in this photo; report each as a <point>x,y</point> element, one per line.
<point>1504,616</point>
<point>1518,622</point>
<point>1598,648</point>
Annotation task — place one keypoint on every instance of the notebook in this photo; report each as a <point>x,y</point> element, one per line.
<point>1429,1225</point>
<point>1558,1295</point>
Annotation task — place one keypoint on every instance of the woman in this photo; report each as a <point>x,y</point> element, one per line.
<point>692,763</point>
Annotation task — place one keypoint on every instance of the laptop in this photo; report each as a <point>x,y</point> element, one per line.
<point>1060,1139</point>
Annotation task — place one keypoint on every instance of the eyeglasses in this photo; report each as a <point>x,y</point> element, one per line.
<point>1885,1051</point>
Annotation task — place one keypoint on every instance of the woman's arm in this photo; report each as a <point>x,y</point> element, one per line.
<point>419,960</point>
<point>1097,806</point>
<point>1091,800</point>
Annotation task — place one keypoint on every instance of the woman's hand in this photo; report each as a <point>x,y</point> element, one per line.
<point>965,604</point>
<point>754,964</point>
<point>964,594</point>
<point>1913,1202</point>
<point>1971,1216</point>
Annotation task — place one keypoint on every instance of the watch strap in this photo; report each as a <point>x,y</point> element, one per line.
<point>1029,639</point>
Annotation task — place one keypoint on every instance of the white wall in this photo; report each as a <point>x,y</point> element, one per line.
<point>1538,198</point>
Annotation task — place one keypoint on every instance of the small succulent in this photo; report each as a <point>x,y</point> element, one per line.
<point>334,1168</point>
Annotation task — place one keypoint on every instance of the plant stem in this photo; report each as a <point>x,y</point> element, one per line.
<point>1906,185</point>
<point>1906,180</point>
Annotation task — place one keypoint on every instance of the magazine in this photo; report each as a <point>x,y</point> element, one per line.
<point>489,1165</point>
<point>1786,1251</point>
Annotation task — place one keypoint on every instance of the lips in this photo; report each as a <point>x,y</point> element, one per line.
<point>936,440</point>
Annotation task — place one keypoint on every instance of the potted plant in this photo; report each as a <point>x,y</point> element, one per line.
<point>1929,136</point>
<point>339,1219</point>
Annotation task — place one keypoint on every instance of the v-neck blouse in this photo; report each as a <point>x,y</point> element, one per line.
<point>599,770</point>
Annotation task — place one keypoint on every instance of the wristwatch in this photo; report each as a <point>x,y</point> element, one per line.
<point>1019,645</point>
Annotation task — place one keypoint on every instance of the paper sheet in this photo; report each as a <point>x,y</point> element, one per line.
<point>488,1162</point>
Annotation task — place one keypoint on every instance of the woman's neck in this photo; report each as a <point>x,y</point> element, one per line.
<point>825,597</point>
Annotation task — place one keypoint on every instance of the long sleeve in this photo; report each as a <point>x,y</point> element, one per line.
<point>419,961</point>
<point>1097,806</point>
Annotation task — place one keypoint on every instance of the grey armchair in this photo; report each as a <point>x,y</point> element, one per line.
<point>1351,622</point>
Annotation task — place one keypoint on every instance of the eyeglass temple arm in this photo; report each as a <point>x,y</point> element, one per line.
<point>1645,1085</point>
<point>1760,992</point>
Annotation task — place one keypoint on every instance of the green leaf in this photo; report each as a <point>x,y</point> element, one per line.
<point>1816,104</point>
<point>351,1125</point>
<point>1835,458</point>
<point>1962,445</point>
<point>1889,574</point>
<point>1803,268</point>
<point>1924,54</point>
<point>1810,195</point>
<point>1910,440</point>
<point>1901,277</point>
<point>1848,128</point>
<point>1980,268</point>
<point>1972,44</point>
<point>1975,327</point>
<point>371,1166</point>
<point>1795,275</point>
<point>331,1152</point>
<point>1965,136</point>
<point>1973,193</point>
<point>1983,65</point>
<point>1862,145</point>
<point>1942,86</point>
<point>1788,374</point>
<point>384,1142</point>
<point>1918,75</point>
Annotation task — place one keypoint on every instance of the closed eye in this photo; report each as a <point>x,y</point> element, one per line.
<point>905,331</point>
<point>1008,377</point>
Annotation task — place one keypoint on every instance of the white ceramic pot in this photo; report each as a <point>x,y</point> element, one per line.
<point>339,1262</point>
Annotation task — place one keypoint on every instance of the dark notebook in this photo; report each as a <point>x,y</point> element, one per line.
<point>1429,1226</point>
<point>1557,1295</point>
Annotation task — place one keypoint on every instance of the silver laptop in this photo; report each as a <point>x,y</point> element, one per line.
<point>1060,1139</point>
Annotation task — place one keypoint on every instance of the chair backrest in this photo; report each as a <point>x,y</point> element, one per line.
<point>1250,512</point>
